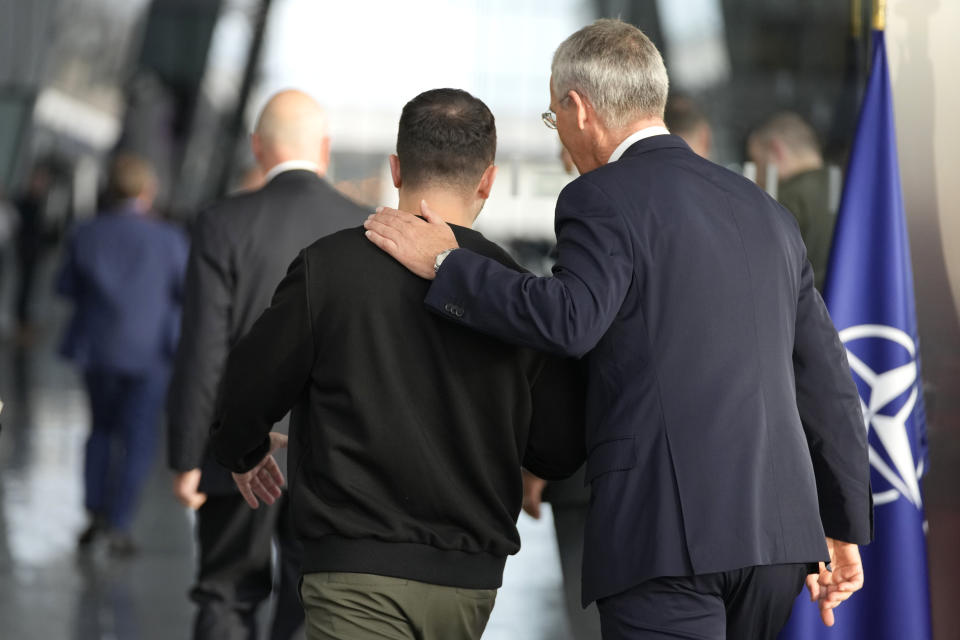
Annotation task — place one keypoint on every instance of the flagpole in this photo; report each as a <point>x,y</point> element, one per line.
<point>879,15</point>
<point>856,18</point>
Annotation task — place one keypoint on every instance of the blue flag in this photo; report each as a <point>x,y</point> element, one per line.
<point>869,292</point>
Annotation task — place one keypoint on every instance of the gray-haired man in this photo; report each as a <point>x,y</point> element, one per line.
<point>724,429</point>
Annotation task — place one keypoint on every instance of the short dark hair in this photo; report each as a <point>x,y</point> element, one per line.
<point>445,136</point>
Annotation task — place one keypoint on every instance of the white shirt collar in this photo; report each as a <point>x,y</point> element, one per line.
<point>290,165</point>
<point>636,137</point>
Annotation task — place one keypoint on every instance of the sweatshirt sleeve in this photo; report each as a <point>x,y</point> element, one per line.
<point>556,447</point>
<point>265,375</point>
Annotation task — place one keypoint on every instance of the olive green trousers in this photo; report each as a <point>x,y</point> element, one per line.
<point>361,606</point>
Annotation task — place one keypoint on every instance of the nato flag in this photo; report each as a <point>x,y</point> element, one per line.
<point>869,291</point>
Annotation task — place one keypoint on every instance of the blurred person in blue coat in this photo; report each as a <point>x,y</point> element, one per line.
<point>124,273</point>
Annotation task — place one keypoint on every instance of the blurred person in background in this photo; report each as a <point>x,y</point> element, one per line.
<point>124,272</point>
<point>31,207</point>
<point>409,431</point>
<point>8,225</point>
<point>789,143</point>
<point>241,248</point>
<point>569,501</point>
<point>685,119</point>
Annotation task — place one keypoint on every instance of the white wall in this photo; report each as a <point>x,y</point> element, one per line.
<point>923,45</point>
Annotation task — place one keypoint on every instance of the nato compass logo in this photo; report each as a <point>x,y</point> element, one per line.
<point>884,362</point>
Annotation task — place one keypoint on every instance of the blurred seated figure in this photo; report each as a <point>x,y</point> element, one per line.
<point>685,119</point>
<point>790,144</point>
<point>123,271</point>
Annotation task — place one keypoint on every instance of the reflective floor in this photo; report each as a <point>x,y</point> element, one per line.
<point>47,592</point>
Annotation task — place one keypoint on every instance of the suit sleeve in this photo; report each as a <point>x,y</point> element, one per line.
<point>265,375</point>
<point>566,314</point>
<point>829,406</point>
<point>556,447</point>
<point>202,349</point>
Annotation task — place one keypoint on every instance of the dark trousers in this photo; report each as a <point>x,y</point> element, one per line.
<point>236,576</point>
<point>744,604</point>
<point>123,440</point>
<point>569,521</point>
<point>26,273</point>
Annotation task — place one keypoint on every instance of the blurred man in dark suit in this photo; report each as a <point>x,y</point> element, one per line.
<point>724,429</point>
<point>241,249</point>
<point>124,272</point>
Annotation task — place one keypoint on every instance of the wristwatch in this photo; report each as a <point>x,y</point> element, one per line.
<point>440,258</point>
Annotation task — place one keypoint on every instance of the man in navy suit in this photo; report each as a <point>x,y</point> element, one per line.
<point>124,272</point>
<point>726,448</point>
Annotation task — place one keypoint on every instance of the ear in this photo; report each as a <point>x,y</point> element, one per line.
<point>324,161</point>
<point>395,170</point>
<point>486,182</point>
<point>582,108</point>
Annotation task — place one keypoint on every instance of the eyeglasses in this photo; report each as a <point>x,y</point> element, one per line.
<point>550,119</point>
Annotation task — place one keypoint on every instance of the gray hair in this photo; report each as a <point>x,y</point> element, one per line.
<point>617,68</point>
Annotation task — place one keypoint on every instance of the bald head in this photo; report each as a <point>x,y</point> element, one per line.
<point>292,126</point>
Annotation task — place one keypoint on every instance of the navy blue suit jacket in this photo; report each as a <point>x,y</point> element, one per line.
<point>124,272</point>
<point>724,428</point>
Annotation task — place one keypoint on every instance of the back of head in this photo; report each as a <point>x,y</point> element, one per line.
<point>292,126</point>
<point>131,176</point>
<point>790,130</point>
<point>446,137</point>
<point>617,68</point>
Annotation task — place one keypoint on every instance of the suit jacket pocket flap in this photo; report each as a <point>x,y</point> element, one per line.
<point>618,454</point>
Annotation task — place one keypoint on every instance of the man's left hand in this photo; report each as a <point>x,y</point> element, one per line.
<point>413,242</point>
<point>265,480</point>
<point>830,588</point>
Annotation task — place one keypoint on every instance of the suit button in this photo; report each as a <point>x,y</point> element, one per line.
<point>453,309</point>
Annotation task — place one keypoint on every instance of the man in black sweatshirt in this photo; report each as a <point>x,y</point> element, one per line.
<point>407,432</point>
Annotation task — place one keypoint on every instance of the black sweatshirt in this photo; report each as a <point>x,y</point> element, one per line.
<point>407,431</point>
